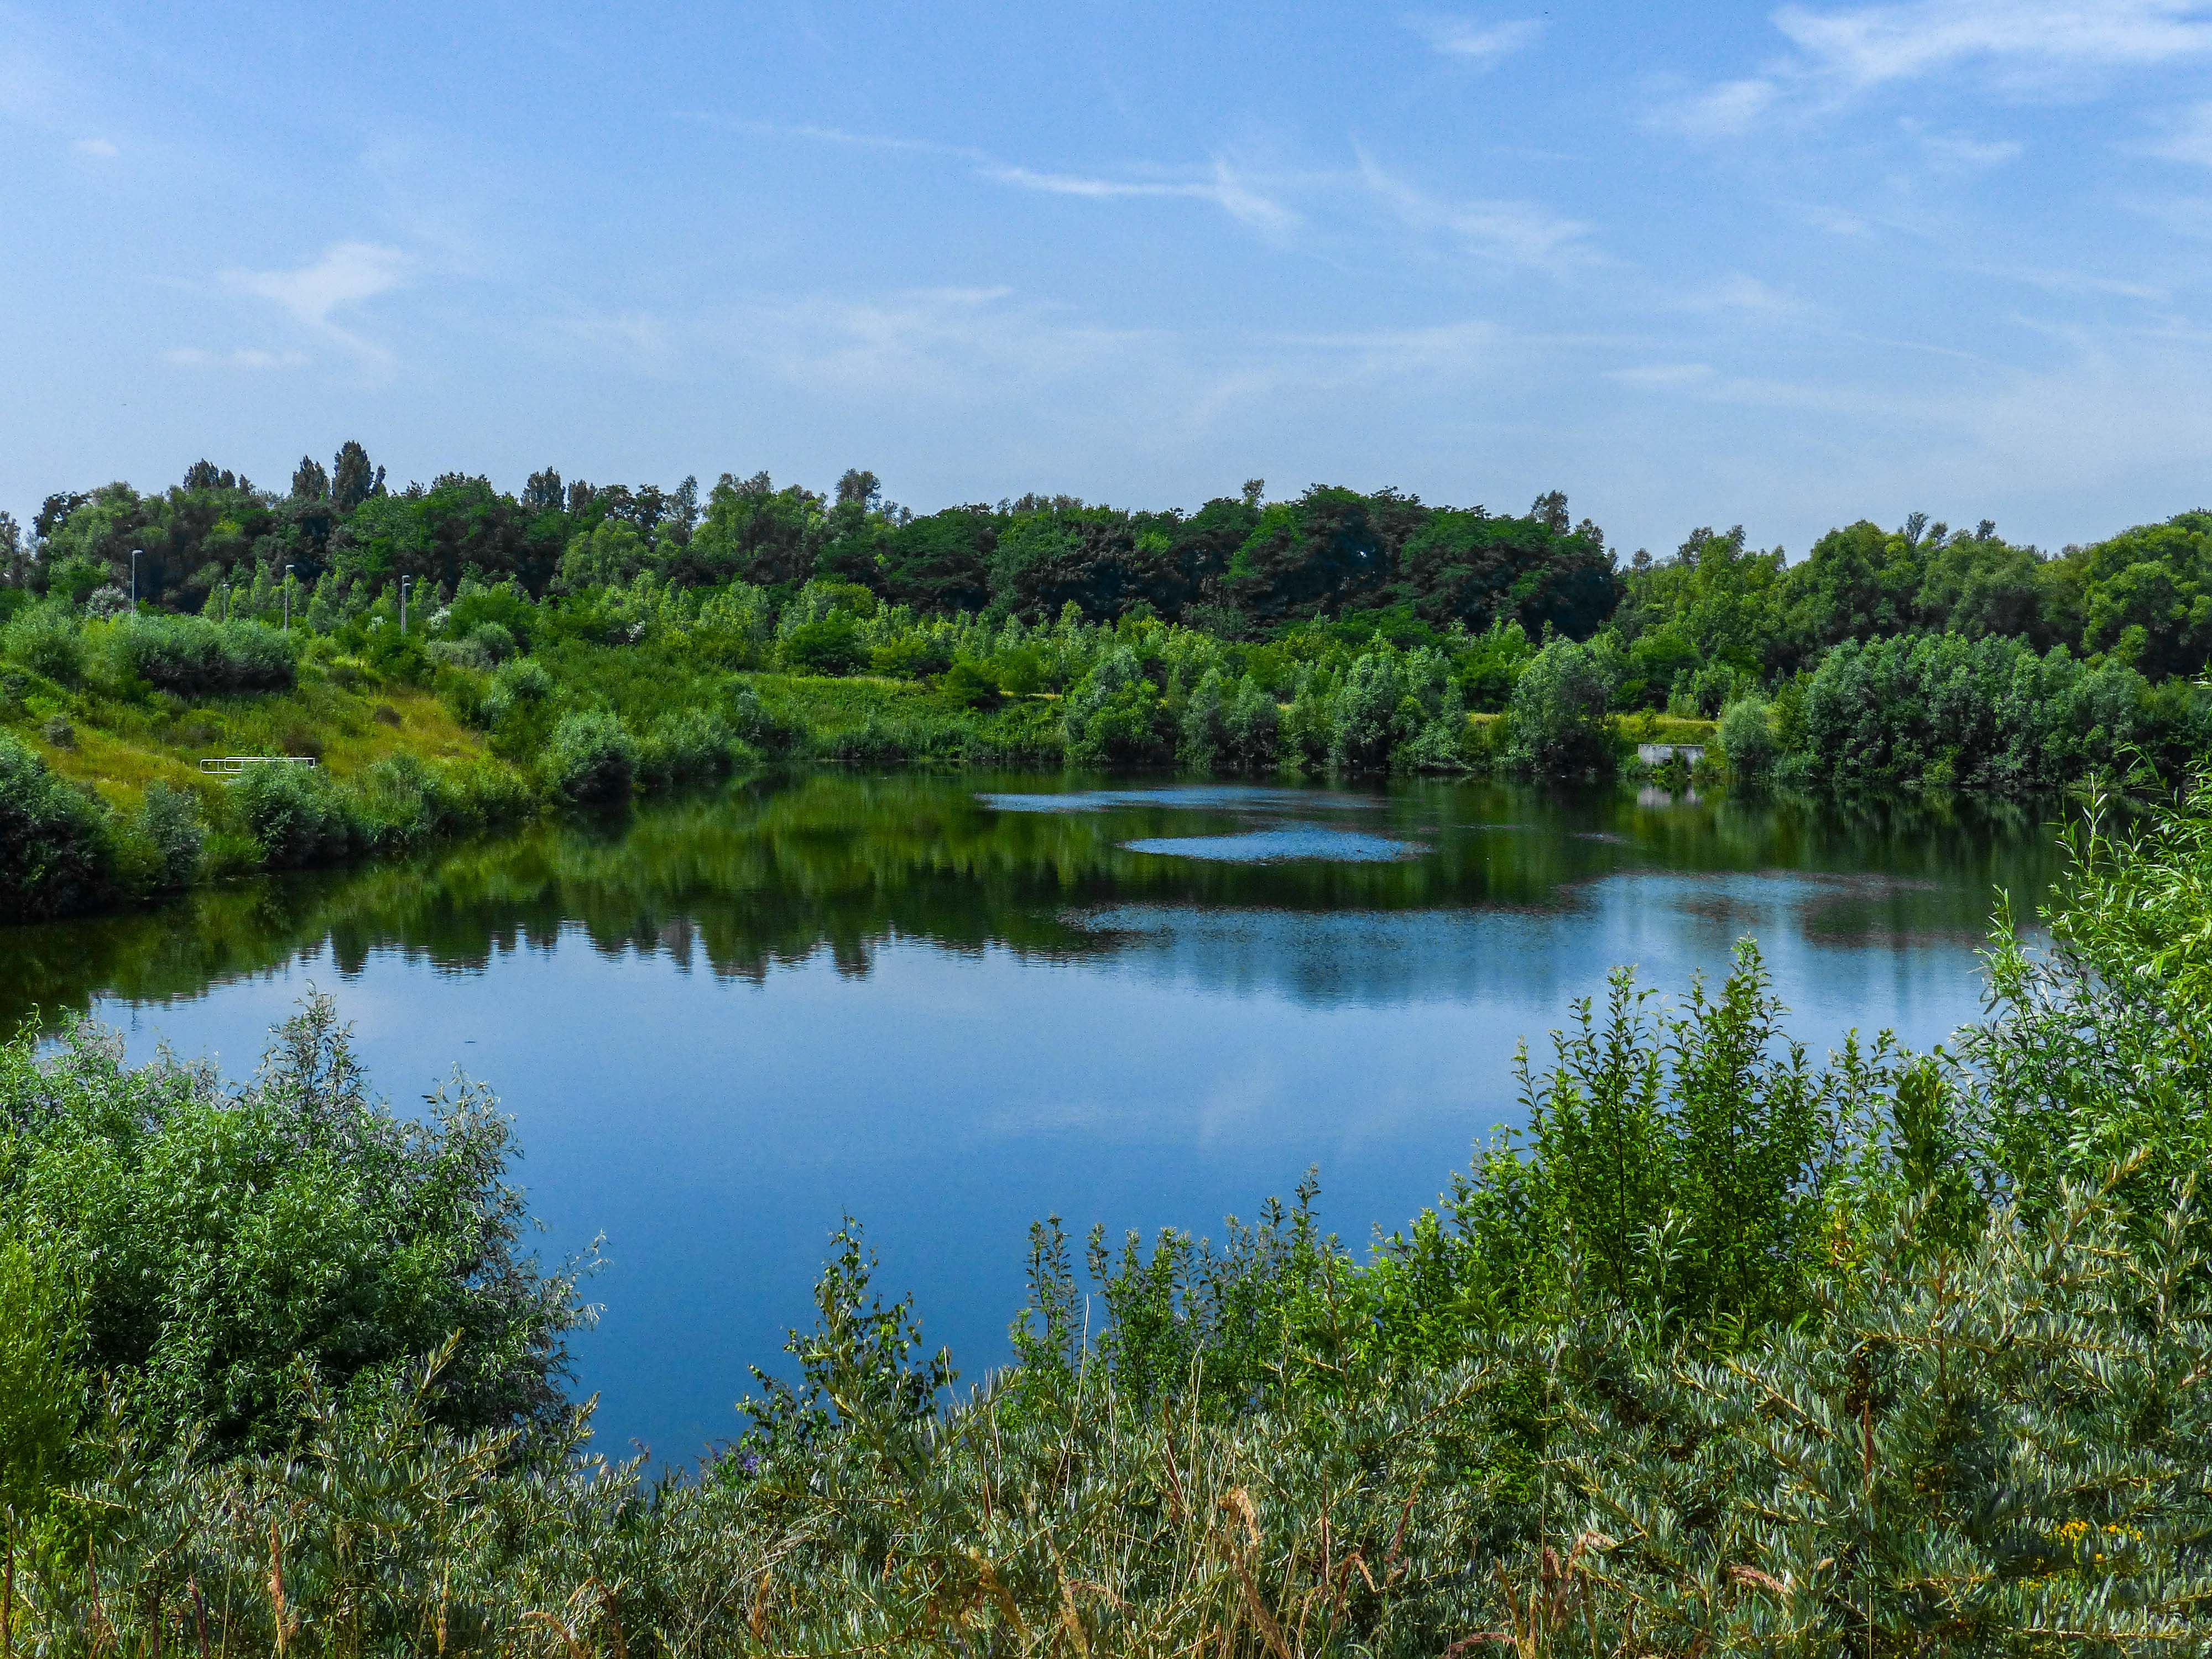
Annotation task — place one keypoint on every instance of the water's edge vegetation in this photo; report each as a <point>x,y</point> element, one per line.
<point>1736,1349</point>
<point>579,644</point>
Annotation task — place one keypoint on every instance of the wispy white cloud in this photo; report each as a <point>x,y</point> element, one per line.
<point>640,340</point>
<point>2032,40</point>
<point>808,133</point>
<point>102,150</point>
<point>1745,296</point>
<point>957,343</point>
<point>347,275</point>
<point>245,357</point>
<point>1222,184</point>
<point>1225,189</point>
<point>1479,44</point>
<point>2187,137</point>
<point>1955,152</point>
<point>1726,111</point>
<point>2018,47</point>
<point>2075,282</point>
<point>1514,233</point>
<point>1837,221</point>
<point>1663,377</point>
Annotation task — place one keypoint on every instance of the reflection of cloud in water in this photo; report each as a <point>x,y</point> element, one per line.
<point>1493,953</point>
<point>1345,959</point>
<point>1270,846</point>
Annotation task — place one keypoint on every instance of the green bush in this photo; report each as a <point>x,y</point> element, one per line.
<point>404,800</point>
<point>1746,738</point>
<point>970,684</point>
<point>1115,716</point>
<point>47,640</point>
<point>223,1238</point>
<point>590,757</point>
<point>831,645</point>
<point>43,1397</point>
<point>294,814</point>
<point>170,823</point>
<point>518,682</point>
<point>1365,720</point>
<point>910,657</point>
<point>753,726</point>
<point>688,746</point>
<point>1559,708</point>
<point>57,849</point>
<point>192,655</point>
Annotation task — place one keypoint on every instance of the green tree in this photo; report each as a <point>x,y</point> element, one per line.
<point>1558,712</point>
<point>353,480</point>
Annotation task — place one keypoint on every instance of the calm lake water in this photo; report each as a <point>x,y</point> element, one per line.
<point>950,1006</point>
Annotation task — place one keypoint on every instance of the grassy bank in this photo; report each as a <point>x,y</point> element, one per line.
<point>1736,1350</point>
<point>104,722</point>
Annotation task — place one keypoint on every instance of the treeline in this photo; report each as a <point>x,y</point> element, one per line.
<point>1733,1350</point>
<point>1236,564</point>
<point>1691,624</point>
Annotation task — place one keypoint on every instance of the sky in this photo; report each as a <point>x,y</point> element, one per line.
<point>1785,267</point>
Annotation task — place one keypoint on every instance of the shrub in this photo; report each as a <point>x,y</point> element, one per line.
<point>1115,716</point>
<point>687,747</point>
<point>1205,726</point>
<point>224,1238</point>
<point>829,646</point>
<point>192,655</point>
<point>1363,714</point>
<point>55,851</point>
<point>484,648</point>
<point>460,654</point>
<point>295,814</point>
<point>169,822</point>
<point>42,1396</point>
<point>401,800</point>
<point>518,682</point>
<point>752,724</point>
<point>970,684</point>
<point>590,757</point>
<point>1746,738</point>
<point>46,640</point>
<point>910,657</point>
<point>1250,723</point>
<point>1558,713</point>
<point>502,607</point>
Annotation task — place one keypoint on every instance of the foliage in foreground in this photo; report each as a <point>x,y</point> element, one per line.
<point>1865,1361</point>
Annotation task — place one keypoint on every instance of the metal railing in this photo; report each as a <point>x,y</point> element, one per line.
<point>231,766</point>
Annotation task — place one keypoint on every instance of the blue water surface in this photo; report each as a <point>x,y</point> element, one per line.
<point>722,1025</point>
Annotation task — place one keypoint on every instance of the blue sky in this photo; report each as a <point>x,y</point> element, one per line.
<point>1716,263</point>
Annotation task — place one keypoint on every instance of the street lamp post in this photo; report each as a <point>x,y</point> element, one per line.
<point>288,598</point>
<point>404,582</point>
<point>134,577</point>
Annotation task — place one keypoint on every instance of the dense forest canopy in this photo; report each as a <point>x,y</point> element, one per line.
<point>1716,613</point>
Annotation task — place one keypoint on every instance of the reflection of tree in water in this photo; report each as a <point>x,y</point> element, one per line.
<point>764,875</point>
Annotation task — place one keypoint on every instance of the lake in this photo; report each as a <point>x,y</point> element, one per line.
<point>950,1005</point>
